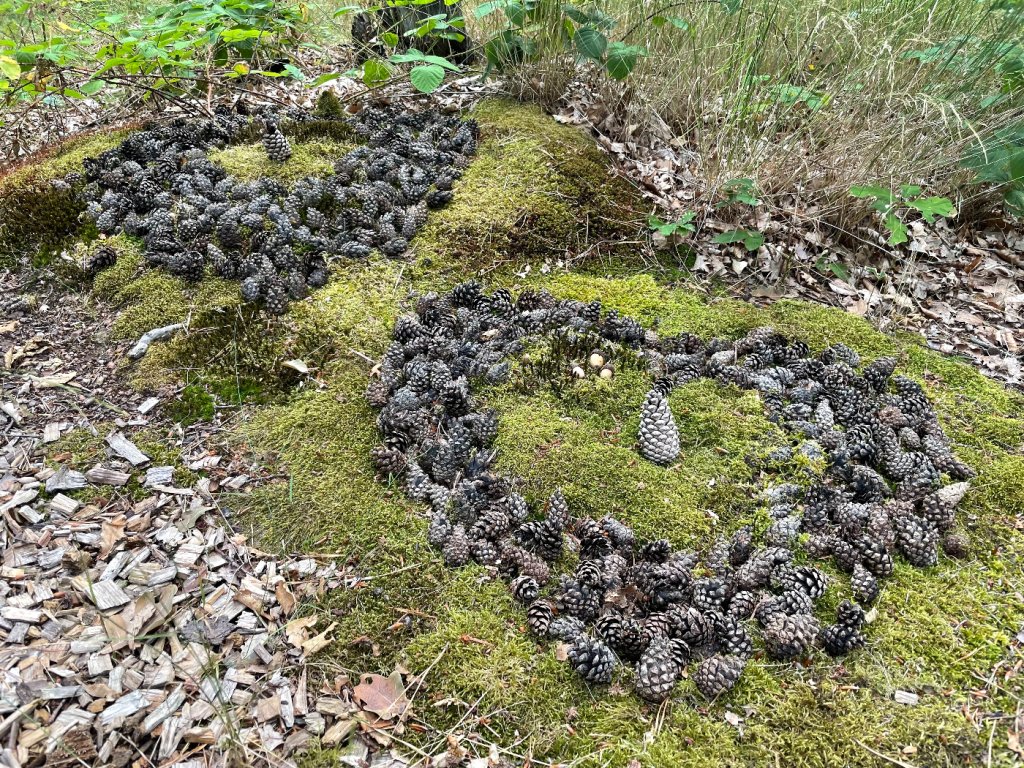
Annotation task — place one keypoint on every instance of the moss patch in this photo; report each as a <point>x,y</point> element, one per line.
<point>35,216</point>
<point>536,190</point>
<point>313,157</point>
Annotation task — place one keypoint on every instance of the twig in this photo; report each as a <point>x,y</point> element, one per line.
<point>876,753</point>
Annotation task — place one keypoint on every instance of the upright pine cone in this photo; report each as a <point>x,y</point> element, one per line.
<point>276,143</point>
<point>659,669</point>
<point>659,437</point>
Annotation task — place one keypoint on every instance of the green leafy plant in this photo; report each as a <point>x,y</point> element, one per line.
<point>751,239</point>
<point>586,31</point>
<point>176,48</point>
<point>393,46</point>
<point>1000,160</point>
<point>740,191</point>
<point>683,226</point>
<point>909,197</point>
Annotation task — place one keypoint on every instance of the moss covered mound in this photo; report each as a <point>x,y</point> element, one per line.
<point>540,191</point>
<point>938,633</point>
<point>36,216</point>
<point>536,191</point>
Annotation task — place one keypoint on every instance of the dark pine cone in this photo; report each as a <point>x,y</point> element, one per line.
<point>717,674</point>
<point>102,258</point>
<point>592,660</point>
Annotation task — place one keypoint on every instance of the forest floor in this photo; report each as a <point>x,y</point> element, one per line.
<point>372,648</point>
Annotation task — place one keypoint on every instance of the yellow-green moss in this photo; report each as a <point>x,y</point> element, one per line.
<point>35,216</point>
<point>535,190</point>
<point>313,157</point>
<point>64,158</point>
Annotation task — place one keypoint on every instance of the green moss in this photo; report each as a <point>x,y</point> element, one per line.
<point>314,157</point>
<point>61,159</point>
<point>535,190</point>
<point>36,218</point>
<point>192,405</point>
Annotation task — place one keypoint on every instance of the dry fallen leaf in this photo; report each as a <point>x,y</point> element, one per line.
<point>285,598</point>
<point>295,630</point>
<point>383,696</point>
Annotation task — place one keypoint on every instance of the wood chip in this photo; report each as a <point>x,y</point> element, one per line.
<point>126,449</point>
<point>159,476</point>
<point>65,479</point>
<point>51,432</point>
<point>64,506</point>
<point>148,405</point>
<point>102,594</point>
<point>100,475</point>
<point>906,697</point>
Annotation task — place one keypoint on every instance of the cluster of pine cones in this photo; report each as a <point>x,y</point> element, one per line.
<point>642,603</point>
<point>160,185</point>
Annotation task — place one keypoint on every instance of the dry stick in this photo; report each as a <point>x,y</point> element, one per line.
<point>883,756</point>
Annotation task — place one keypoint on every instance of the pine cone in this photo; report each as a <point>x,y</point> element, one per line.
<point>718,674</point>
<point>592,660</point>
<point>659,437</point>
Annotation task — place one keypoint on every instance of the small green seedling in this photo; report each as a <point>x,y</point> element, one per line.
<point>752,240</point>
<point>909,197</point>
<point>683,226</point>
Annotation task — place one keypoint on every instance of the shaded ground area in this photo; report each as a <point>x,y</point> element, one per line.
<point>540,196</point>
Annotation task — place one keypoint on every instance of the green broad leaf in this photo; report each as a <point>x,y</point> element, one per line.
<point>325,78</point>
<point>897,229</point>
<point>675,21</point>
<point>1015,166</point>
<point>375,72</point>
<point>836,268</point>
<point>426,78</point>
<point>751,240</point>
<point>71,93</point>
<point>622,59</point>
<point>930,207</point>
<point>416,56</point>
<point>1014,200</point>
<point>295,72</point>
<point>237,35</point>
<point>345,9</point>
<point>10,68</point>
<point>515,12</point>
<point>93,87</point>
<point>389,39</point>
<point>486,9</point>
<point>590,43</point>
<point>731,6</point>
<point>910,190</point>
<point>871,191</point>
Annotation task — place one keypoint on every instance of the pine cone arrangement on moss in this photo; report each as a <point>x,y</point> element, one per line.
<point>645,602</point>
<point>160,185</point>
